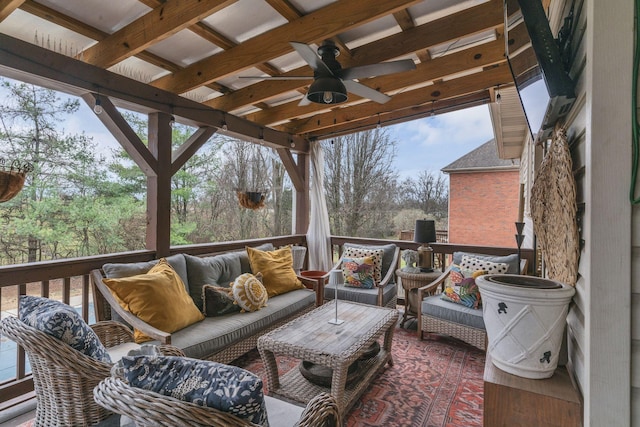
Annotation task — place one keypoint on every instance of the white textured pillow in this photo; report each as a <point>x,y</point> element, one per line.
<point>474,264</point>
<point>249,292</point>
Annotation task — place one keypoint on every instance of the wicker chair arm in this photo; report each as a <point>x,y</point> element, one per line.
<point>139,324</point>
<point>147,408</point>
<point>54,351</point>
<point>391,271</point>
<point>316,284</point>
<point>170,350</point>
<point>112,333</point>
<point>433,286</point>
<point>322,410</point>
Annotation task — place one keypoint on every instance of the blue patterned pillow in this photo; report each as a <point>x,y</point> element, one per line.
<point>63,322</point>
<point>205,383</point>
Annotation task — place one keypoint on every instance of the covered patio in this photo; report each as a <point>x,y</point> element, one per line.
<point>188,61</point>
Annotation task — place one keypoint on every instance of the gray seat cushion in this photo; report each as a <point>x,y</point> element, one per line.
<point>457,313</point>
<point>215,333</point>
<point>361,295</point>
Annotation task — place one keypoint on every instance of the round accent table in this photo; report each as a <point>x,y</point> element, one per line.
<point>414,281</point>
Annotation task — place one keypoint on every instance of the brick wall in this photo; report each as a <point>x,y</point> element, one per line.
<point>483,208</point>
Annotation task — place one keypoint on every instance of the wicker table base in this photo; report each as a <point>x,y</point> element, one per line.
<point>311,338</point>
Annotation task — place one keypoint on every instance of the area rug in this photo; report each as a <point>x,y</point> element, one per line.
<point>436,382</point>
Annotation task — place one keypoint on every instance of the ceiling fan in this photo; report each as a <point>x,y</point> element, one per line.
<point>331,82</point>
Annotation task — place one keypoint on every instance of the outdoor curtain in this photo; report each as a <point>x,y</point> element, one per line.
<point>318,234</point>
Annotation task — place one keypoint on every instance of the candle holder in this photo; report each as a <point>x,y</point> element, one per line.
<point>519,240</point>
<point>336,278</point>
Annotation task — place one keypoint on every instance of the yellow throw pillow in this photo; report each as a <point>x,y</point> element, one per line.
<point>158,297</point>
<point>249,293</point>
<point>276,267</point>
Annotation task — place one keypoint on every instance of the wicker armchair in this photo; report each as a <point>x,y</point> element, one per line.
<point>147,408</point>
<point>454,320</point>
<point>384,294</point>
<point>63,377</point>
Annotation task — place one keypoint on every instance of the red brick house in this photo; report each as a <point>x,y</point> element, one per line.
<point>483,198</point>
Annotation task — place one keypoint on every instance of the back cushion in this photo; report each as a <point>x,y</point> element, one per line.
<point>387,256</point>
<point>511,260</point>
<point>120,270</point>
<point>218,270</point>
<point>63,322</point>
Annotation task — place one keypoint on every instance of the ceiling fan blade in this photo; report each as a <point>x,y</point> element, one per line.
<point>311,57</point>
<point>304,101</point>
<point>277,77</point>
<point>381,69</point>
<point>365,91</point>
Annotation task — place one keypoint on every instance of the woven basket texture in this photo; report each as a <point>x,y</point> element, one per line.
<point>554,210</point>
<point>11,183</point>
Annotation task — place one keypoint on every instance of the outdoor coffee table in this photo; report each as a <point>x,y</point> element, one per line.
<point>312,338</point>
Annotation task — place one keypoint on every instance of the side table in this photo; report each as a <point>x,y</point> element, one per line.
<point>414,281</point>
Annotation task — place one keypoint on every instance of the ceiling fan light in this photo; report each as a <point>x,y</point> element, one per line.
<point>327,90</point>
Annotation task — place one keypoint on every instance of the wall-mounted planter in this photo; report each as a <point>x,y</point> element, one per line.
<point>525,318</point>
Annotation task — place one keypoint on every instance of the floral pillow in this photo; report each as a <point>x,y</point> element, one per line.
<point>466,293</point>
<point>63,322</point>
<point>375,254</point>
<point>206,383</point>
<point>359,272</point>
<point>461,287</point>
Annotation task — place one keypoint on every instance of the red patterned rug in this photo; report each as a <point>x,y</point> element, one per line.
<point>433,383</point>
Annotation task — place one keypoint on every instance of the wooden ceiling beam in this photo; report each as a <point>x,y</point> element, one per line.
<point>335,18</point>
<point>159,24</point>
<point>402,116</point>
<point>79,27</point>
<point>32,64</point>
<point>286,9</point>
<point>417,39</point>
<point>7,7</point>
<point>450,28</point>
<point>496,75</point>
<point>439,68</point>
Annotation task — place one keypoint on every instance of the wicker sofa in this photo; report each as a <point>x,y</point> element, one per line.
<point>220,338</point>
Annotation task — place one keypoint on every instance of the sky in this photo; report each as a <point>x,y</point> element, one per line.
<point>434,142</point>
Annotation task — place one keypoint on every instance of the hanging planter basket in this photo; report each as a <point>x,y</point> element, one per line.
<point>12,178</point>
<point>251,199</point>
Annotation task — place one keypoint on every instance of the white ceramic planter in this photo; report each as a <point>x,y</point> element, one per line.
<point>525,318</point>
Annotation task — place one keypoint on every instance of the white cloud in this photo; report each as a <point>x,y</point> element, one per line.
<point>434,142</point>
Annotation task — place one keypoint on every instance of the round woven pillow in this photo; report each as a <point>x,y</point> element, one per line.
<point>249,293</point>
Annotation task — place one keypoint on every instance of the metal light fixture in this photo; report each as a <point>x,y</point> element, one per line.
<point>425,233</point>
<point>327,90</point>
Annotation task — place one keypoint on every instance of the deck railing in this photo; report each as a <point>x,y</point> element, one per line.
<point>67,280</point>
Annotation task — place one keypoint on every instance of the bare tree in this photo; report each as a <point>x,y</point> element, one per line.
<point>427,192</point>
<point>360,183</point>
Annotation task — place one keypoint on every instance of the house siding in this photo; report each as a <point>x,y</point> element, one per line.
<point>483,207</point>
<point>604,318</point>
